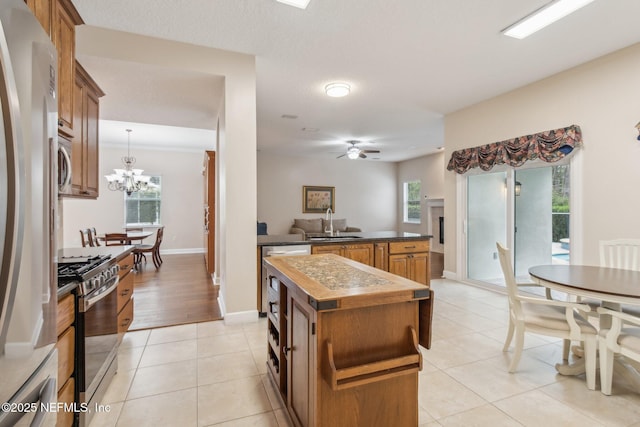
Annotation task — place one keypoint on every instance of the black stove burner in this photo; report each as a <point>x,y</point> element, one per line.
<point>79,268</point>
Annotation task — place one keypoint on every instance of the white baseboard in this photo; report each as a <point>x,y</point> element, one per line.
<point>181,251</point>
<point>450,275</point>
<point>239,317</point>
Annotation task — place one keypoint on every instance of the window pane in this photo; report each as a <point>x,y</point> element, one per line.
<point>411,205</point>
<point>143,207</point>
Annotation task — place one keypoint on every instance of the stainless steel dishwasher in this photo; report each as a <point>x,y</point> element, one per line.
<point>282,250</point>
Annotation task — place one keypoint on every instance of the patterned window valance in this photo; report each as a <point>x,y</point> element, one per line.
<point>549,146</point>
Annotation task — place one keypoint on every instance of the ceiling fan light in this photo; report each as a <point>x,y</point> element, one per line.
<point>302,4</point>
<point>337,90</point>
<point>353,153</point>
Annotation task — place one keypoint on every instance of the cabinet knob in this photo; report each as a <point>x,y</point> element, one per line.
<point>60,122</point>
<point>285,350</point>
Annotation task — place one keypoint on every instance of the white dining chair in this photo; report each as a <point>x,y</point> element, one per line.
<point>618,253</point>
<point>623,338</point>
<point>546,317</point>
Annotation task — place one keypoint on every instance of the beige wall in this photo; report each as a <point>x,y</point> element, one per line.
<point>365,191</point>
<point>236,158</point>
<point>182,199</point>
<point>602,98</point>
<point>429,170</point>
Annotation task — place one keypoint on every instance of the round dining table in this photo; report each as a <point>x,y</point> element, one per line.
<point>612,286</point>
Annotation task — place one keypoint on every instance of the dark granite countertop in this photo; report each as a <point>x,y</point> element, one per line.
<point>344,237</point>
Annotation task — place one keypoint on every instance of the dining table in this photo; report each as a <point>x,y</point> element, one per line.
<point>612,286</point>
<point>134,236</point>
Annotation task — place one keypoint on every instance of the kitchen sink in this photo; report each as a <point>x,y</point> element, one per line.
<point>324,238</point>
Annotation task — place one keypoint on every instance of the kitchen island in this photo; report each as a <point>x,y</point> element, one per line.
<point>404,254</point>
<point>343,341</point>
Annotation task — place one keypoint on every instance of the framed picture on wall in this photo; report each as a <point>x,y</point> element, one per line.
<point>318,199</point>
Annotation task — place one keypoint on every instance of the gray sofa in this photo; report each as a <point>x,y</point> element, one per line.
<point>318,225</point>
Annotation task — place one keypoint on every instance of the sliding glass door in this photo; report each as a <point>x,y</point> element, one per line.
<point>527,210</point>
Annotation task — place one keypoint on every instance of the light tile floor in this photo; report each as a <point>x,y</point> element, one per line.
<point>211,374</point>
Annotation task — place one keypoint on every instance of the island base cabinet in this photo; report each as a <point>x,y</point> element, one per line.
<point>365,374</point>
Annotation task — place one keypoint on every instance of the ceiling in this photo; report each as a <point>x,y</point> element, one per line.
<point>409,63</point>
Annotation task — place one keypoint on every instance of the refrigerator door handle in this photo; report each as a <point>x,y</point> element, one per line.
<point>41,397</point>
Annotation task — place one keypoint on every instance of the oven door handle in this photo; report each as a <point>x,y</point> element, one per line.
<point>91,301</point>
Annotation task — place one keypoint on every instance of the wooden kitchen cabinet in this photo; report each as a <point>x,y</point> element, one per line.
<point>125,294</point>
<point>381,255</point>
<point>346,358</point>
<point>410,259</point>
<point>66,356</point>
<point>64,19</point>
<point>42,10</point>
<point>84,149</point>
<point>361,252</point>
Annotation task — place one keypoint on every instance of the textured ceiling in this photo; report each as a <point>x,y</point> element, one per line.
<point>409,63</point>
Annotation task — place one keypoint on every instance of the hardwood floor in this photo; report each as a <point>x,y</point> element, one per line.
<point>179,292</point>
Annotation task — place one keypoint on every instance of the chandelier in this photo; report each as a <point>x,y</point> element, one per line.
<point>128,179</point>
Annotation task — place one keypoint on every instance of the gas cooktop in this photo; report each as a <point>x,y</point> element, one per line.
<point>80,268</point>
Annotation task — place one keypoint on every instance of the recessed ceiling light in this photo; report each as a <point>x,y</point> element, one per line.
<point>302,4</point>
<point>310,129</point>
<point>337,89</point>
<point>289,116</point>
<point>542,17</point>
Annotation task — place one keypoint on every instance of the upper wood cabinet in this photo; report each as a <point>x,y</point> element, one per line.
<point>42,10</point>
<point>84,144</point>
<point>63,34</point>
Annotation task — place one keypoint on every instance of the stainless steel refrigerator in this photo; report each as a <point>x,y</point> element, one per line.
<point>28,201</point>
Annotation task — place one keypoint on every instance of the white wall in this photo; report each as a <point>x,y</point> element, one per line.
<point>236,151</point>
<point>182,199</point>
<point>429,170</point>
<point>601,98</point>
<point>365,191</point>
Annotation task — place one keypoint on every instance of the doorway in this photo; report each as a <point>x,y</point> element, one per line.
<point>526,209</point>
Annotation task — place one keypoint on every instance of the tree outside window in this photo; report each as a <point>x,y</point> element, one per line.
<point>143,207</point>
<point>412,202</point>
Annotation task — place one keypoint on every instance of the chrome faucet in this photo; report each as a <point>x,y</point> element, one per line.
<point>329,217</point>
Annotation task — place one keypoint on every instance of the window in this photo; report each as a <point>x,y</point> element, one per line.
<point>143,207</point>
<point>412,202</point>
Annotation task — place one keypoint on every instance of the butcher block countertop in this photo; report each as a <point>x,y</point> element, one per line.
<point>335,282</point>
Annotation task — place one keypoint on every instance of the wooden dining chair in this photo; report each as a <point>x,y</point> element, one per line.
<point>85,237</point>
<point>546,317</point>
<point>154,250</point>
<point>622,338</point>
<point>115,239</point>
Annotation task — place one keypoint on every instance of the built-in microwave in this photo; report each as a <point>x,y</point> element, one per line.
<point>64,166</point>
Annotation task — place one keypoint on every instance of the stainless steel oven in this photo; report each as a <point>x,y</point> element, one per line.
<point>96,326</point>
<point>97,341</point>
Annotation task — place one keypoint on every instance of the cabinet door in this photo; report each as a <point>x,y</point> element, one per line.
<point>78,160</point>
<point>380,256</point>
<point>300,373</point>
<point>419,268</point>
<point>64,38</point>
<point>399,264</point>
<point>328,249</point>
<point>42,10</point>
<point>361,253</point>
<point>90,125</point>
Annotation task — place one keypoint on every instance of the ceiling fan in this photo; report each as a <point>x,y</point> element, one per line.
<point>354,152</point>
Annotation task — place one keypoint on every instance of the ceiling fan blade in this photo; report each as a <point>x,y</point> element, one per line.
<point>342,155</point>
<point>362,155</point>
<point>370,151</point>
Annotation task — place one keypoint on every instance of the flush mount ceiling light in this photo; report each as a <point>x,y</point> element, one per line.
<point>302,4</point>
<point>542,17</point>
<point>337,89</point>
